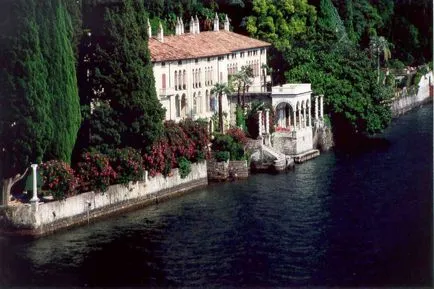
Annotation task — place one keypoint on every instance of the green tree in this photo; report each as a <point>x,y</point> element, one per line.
<point>241,80</point>
<point>124,75</point>
<point>379,46</point>
<point>220,89</point>
<point>354,99</point>
<point>26,127</point>
<point>56,32</point>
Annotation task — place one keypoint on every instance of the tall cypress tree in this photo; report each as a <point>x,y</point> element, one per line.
<point>57,33</point>
<point>26,127</point>
<point>124,71</point>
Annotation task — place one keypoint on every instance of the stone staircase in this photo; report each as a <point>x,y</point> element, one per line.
<point>281,161</point>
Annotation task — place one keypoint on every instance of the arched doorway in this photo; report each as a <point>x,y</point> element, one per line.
<point>183,106</point>
<point>177,106</point>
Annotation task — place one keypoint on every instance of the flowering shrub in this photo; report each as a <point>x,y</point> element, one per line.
<point>160,159</point>
<point>197,132</point>
<point>180,144</point>
<point>128,165</point>
<point>95,172</point>
<point>238,135</point>
<point>59,179</point>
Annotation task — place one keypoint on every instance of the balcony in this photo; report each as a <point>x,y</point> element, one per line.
<point>165,92</point>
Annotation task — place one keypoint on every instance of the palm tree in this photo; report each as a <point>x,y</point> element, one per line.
<point>377,46</point>
<point>220,89</point>
<point>241,80</point>
<point>265,69</point>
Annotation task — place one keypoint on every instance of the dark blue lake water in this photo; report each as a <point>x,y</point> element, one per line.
<point>344,220</point>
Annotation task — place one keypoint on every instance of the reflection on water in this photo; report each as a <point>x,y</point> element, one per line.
<point>339,220</point>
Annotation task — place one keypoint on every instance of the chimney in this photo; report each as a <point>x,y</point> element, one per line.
<point>160,35</point>
<point>192,25</point>
<point>197,25</point>
<point>226,23</point>
<point>216,22</point>
<point>149,29</point>
<point>177,27</point>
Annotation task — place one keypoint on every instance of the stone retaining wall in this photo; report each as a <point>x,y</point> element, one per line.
<point>42,218</point>
<point>222,171</point>
<point>238,169</point>
<point>404,104</point>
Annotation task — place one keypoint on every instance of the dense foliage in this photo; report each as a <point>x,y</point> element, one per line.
<point>96,172</point>
<point>230,145</point>
<point>39,104</point>
<point>123,75</point>
<point>59,179</point>
<point>128,165</point>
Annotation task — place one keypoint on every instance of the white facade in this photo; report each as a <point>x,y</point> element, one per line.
<point>184,86</point>
<point>185,73</point>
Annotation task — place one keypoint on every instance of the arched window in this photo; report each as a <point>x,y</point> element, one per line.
<point>176,80</point>
<point>184,79</point>
<point>180,80</point>
<point>199,102</point>
<point>193,78</point>
<point>199,78</point>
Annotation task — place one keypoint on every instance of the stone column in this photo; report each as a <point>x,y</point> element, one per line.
<point>260,122</point>
<point>309,116</point>
<point>267,121</point>
<point>316,107</point>
<point>322,106</point>
<point>304,114</point>
<point>35,185</point>
<point>294,118</point>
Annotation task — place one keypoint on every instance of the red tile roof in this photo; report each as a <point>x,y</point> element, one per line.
<point>204,44</point>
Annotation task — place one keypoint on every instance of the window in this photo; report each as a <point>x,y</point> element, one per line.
<point>194,77</point>
<point>208,59</point>
<point>180,62</point>
<point>184,79</point>
<point>194,112</point>
<point>199,76</point>
<point>262,51</point>
<point>241,54</point>
<point>163,81</point>
<point>163,64</point>
<point>179,80</point>
<point>177,106</point>
<point>196,60</point>
<point>176,80</point>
